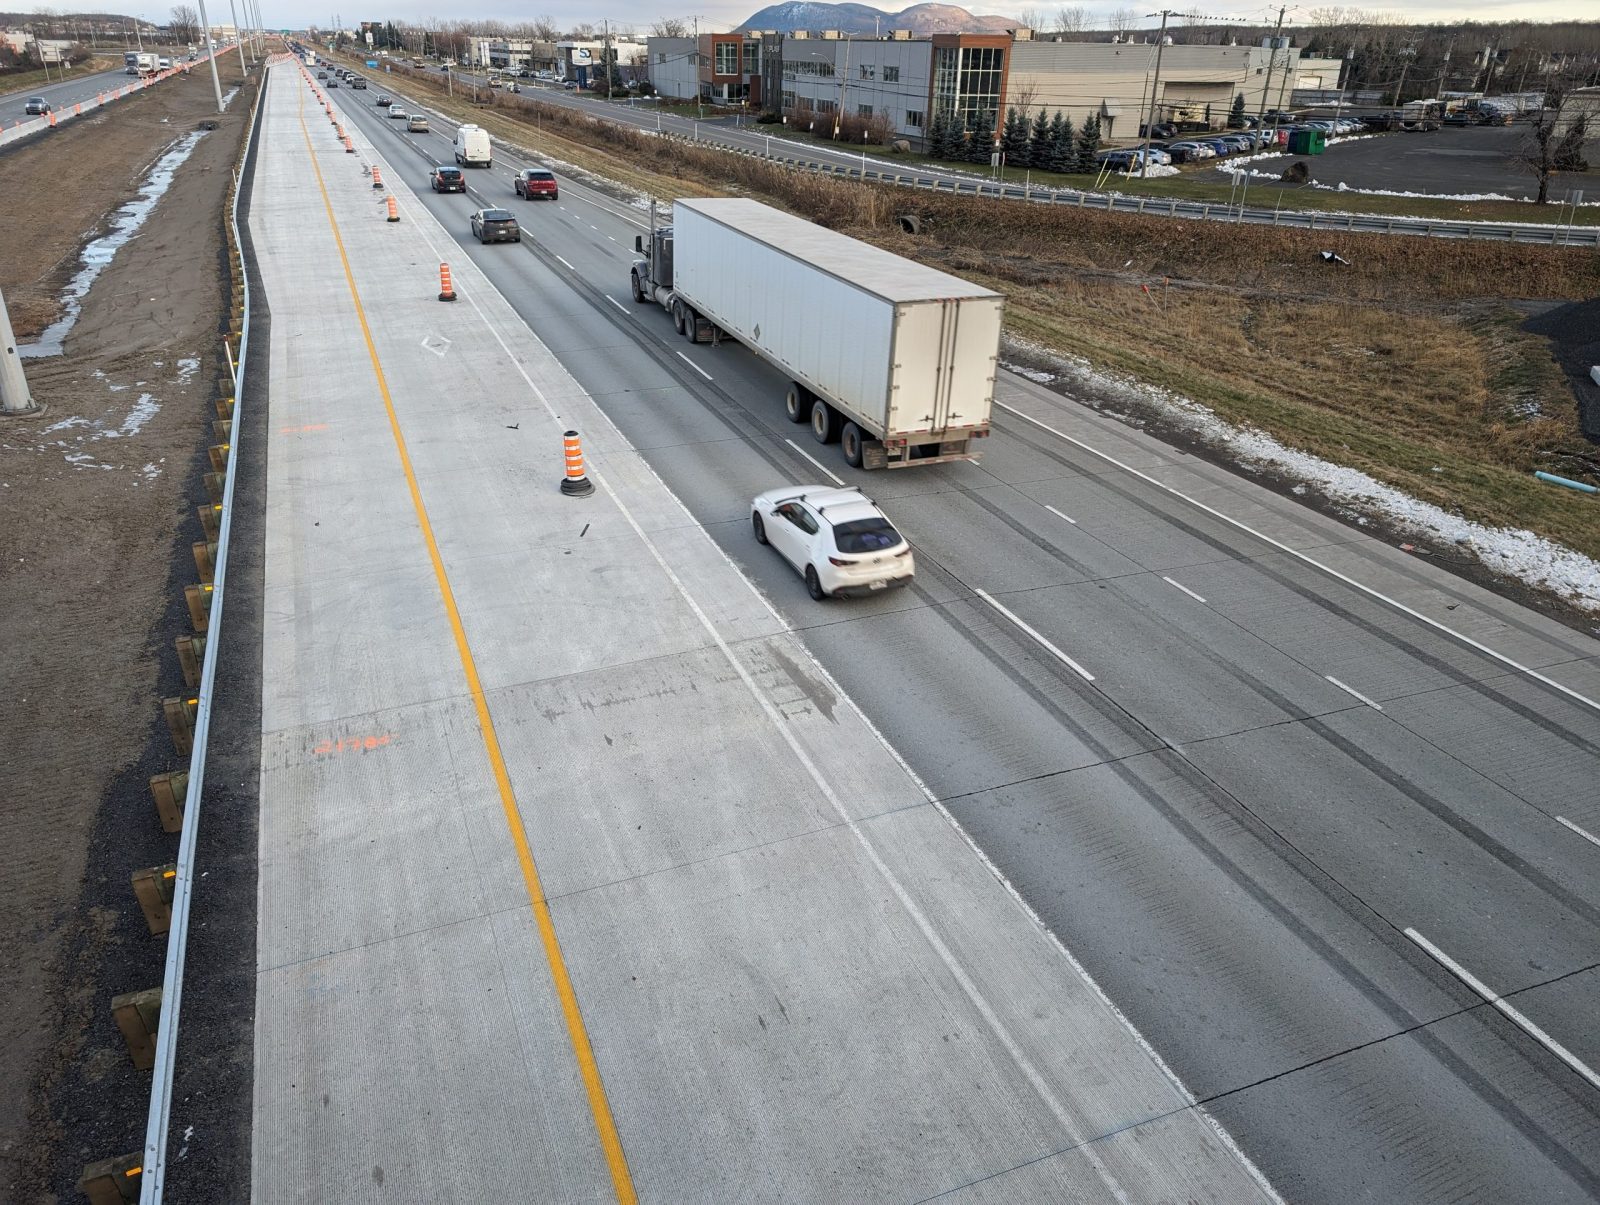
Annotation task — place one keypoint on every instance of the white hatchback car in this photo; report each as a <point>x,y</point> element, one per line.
<point>838,539</point>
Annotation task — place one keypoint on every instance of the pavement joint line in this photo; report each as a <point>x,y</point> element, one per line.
<point>1350,690</point>
<point>1580,830</point>
<point>1037,636</point>
<point>577,1033</point>
<point>1510,1011</point>
<point>1312,561</point>
<point>689,362</point>
<point>1182,587</point>
<point>832,476</point>
<point>1060,515</point>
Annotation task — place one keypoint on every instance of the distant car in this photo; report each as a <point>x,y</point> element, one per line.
<point>447,179</point>
<point>534,182</point>
<point>163,64</point>
<point>322,75</point>
<point>1189,152</point>
<point>397,112</point>
<point>359,83</point>
<point>383,102</point>
<point>333,83</point>
<point>495,226</point>
<point>416,124</point>
<point>838,539</point>
<point>37,106</point>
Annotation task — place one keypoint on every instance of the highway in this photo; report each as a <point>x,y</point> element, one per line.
<point>1293,799</point>
<point>750,139</point>
<point>63,95</point>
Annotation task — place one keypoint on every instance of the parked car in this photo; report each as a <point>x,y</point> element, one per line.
<point>1162,129</point>
<point>37,106</point>
<point>395,111</point>
<point>416,124</point>
<point>534,182</point>
<point>837,539</point>
<point>447,179</point>
<point>495,226</point>
<point>1218,146</point>
<point>1189,152</point>
<point>383,102</point>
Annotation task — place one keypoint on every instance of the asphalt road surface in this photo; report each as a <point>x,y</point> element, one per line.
<point>63,95</point>
<point>1288,825</point>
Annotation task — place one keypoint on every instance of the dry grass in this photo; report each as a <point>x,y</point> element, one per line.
<point>1407,364</point>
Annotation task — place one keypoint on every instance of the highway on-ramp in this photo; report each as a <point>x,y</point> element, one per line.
<point>1318,818</point>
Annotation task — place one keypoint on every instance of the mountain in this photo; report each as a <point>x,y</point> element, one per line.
<point>795,15</point>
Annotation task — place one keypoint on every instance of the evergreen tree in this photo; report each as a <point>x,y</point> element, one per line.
<point>1060,151</point>
<point>1014,138</point>
<point>980,138</point>
<point>944,139</point>
<point>1088,143</point>
<point>1236,114</point>
<point>1039,142</point>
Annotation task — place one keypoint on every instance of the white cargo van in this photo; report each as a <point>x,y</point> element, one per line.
<point>472,147</point>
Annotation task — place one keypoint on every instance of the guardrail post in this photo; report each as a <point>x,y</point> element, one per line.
<point>169,791</point>
<point>199,600</point>
<point>138,1016</point>
<point>112,1181</point>
<point>1206,212</point>
<point>1141,204</point>
<point>209,517</point>
<point>192,649</point>
<point>180,713</point>
<point>205,553</point>
<point>1172,208</point>
<point>152,887</point>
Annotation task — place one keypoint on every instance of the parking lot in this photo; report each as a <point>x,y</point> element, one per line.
<point>1454,161</point>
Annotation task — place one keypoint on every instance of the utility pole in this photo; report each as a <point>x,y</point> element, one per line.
<point>138,37</point>
<point>234,7</point>
<point>844,82</point>
<point>1155,91</point>
<point>1272,57</point>
<point>216,83</point>
<point>14,396</point>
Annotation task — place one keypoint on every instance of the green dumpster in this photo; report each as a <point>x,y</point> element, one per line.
<point>1307,142</point>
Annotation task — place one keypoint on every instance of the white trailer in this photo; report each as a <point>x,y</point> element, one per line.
<point>894,360</point>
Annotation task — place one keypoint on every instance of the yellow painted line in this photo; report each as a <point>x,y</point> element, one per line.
<point>599,1105</point>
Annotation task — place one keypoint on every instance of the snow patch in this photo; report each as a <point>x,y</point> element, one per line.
<point>1513,552</point>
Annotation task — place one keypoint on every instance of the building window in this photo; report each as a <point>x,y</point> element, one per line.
<point>661,59</point>
<point>869,71</point>
<point>914,119</point>
<point>752,58</point>
<point>727,58</point>
<point>863,110</point>
<point>966,83</point>
<point>824,106</point>
<point>891,75</point>
<point>788,100</point>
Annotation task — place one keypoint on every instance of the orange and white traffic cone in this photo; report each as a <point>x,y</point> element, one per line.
<point>446,292</point>
<point>574,484</point>
<point>394,210</point>
<point>377,177</point>
<point>349,147</point>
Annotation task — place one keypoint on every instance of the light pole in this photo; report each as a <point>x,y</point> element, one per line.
<point>1155,90</point>
<point>211,57</point>
<point>14,396</point>
<point>1272,57</point>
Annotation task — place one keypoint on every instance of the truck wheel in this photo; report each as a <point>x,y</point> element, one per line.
<point>824,422</point>
<point>677,316</point>
<point>850,443</point>
<point>797,403</point>
<point>691,325</point>
<point>638,293</point>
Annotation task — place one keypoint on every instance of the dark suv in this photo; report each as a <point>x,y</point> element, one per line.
<point>496,226</point>
<point>448,179</point>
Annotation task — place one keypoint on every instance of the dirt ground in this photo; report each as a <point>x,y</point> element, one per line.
<point>99,499</point>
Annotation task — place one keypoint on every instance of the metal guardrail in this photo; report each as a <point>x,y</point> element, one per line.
<point>1541,233</point>
<point>156,1129</point>
<point>27,129</point>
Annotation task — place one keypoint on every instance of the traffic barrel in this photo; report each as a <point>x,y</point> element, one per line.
<point>349,147</point>
<point>377,177</point>
<point>394,210</point>
<point>574,484</point>
<point>446,292</point>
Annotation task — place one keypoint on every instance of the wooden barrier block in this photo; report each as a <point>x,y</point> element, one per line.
<point>222,428</point>
<point>205,559</point>
<point>225,407</point>
<point>180,715</point>
<point>219,458</point>
<point>210,520</point>
<point>199,600</point>
<point>169,791</point>
<point>138,1016</point>
<point>153,887</point>
<point>191,653</point>
<point>112,1181</point>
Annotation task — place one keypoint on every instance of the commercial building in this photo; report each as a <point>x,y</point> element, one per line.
<point>900,82</point>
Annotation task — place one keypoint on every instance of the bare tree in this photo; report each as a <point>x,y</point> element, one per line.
<point>1555,140</point>
<point>583,31</point>
<point>1035,18</point>
<point>544,29</point>
<point>1122,21</point>
<point>670,27</point>
<point>185,23</point>
<point>1072,18</point>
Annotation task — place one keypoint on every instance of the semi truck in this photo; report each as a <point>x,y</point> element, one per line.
<point>891,359</point>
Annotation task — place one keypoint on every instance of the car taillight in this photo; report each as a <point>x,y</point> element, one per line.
<point>833,560</point>
<point>906,551</point>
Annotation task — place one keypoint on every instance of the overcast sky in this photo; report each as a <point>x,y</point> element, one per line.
<point>719,15</point>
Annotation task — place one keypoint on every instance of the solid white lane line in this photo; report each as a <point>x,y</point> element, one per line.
<point>1021,623</point>
<point>1312,561</point>
<point>1352,691</point>
<point>686,360</point>
<point>616,303</point>
<point>1184,588</point>
<point>568,265</point>
<point>1515,1015</point>
<point>813,460</point>
<point>1059,515</point>
<point>1582,832</point>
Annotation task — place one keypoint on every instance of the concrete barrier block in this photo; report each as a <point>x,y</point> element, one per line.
<point>153,887</point>
<point>138,1016</point>
<point>199,600</point>
<point>169,791</point>
<point>112,1181</point>
<point>191,654</point>
<point>180,715</point>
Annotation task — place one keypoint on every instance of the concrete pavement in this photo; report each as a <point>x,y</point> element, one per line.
<point>544,777</point>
